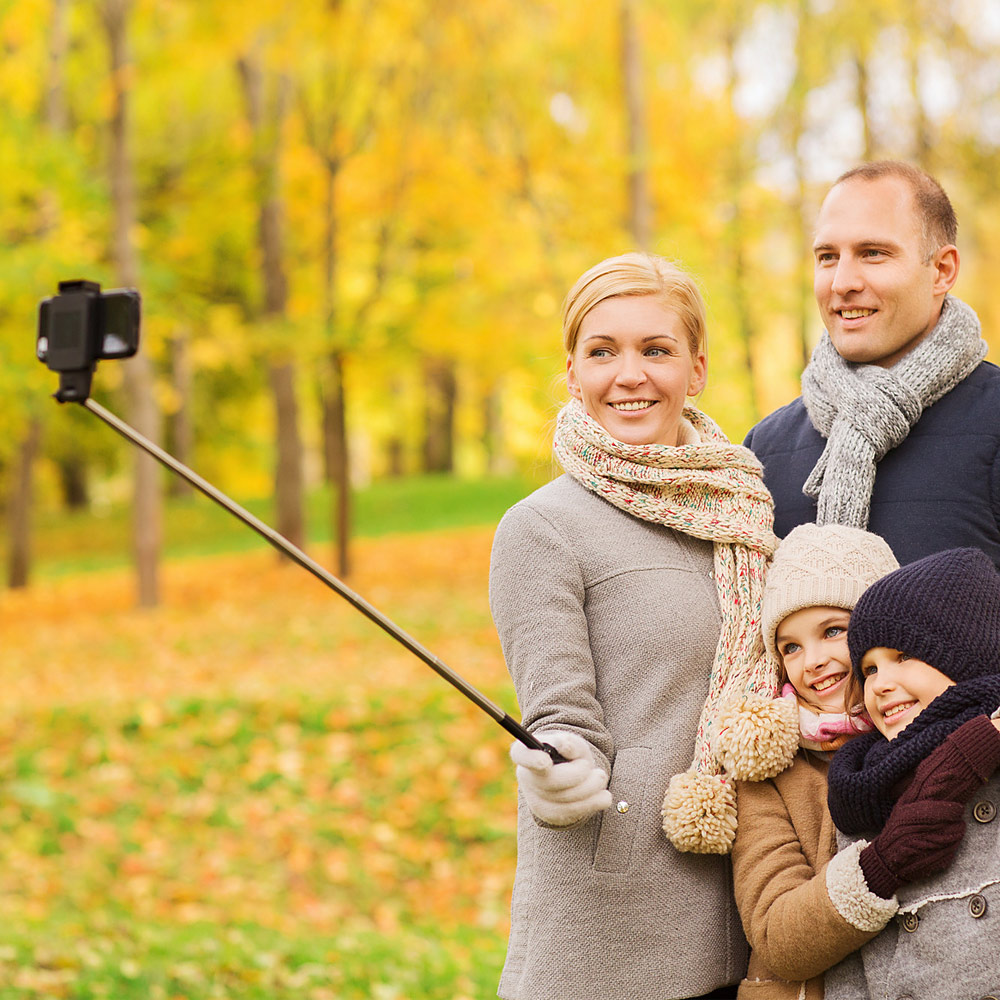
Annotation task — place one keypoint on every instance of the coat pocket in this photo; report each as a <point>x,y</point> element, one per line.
<point>620,823</point>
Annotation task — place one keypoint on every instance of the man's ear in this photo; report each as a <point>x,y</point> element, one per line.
<point>946,263</point>
<point>571,382</point>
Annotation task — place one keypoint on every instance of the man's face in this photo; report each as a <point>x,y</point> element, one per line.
<point>878,297</point>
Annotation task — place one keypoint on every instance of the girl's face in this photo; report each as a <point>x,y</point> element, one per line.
<point>812,644</point>
<point>898,688</point>
<point>633,369</point>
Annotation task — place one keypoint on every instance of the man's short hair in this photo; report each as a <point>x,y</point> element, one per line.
<point>937,217</point>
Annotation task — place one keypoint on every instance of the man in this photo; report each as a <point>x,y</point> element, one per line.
<point>898,426</point>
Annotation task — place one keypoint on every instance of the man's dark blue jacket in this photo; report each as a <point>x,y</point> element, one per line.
<point>939,489</point>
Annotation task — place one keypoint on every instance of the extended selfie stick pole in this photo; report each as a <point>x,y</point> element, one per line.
<point>297,555</point>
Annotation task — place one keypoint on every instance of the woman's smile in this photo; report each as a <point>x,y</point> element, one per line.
<point>633,369</point>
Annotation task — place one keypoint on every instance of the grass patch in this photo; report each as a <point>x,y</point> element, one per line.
<point>209,848</point>
<point>75,542</point>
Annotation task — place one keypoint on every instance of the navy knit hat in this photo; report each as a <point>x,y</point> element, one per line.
<point>943,609</point>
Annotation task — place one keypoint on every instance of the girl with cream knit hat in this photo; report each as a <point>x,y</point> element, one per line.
<point>785,837</point>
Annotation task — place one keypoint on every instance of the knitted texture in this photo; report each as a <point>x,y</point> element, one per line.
<point>828,565</point>
<point>943,609</point>
<point>711,490</point>
<point>865,775</point>
<point>864,411</point>
<point>824,730</point>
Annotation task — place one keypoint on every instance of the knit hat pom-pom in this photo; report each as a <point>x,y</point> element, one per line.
<point>758,736</point>
<point>699,813</point>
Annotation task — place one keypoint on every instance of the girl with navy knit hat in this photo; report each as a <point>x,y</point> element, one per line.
<point>925,653</point>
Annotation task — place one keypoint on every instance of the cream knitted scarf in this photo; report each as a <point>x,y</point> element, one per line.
<point>708,488</point>
<point>865,411</point>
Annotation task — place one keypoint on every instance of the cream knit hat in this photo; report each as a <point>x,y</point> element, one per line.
<point>828,565</point>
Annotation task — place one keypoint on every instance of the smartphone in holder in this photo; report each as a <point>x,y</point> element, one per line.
<point>83,325</point>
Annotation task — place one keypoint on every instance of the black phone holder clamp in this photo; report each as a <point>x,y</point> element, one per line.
<point>81,326</point>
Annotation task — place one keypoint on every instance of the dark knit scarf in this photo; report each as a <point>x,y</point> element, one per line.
<point>866,775</point>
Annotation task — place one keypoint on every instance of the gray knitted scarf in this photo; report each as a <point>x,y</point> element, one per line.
<point>865,411</point>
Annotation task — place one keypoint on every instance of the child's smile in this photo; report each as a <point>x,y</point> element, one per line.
<point>812,643</point>
<point>898,688</point>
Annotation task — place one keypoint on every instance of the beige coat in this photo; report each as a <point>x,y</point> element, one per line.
<point>784,843</point>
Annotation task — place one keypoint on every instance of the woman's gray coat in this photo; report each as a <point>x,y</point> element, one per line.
<point>944,942</point>
<point>609,626</point>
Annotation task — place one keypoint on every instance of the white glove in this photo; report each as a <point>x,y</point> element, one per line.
<point>561,794</point>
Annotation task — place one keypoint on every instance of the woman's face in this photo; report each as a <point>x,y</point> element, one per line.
<point>633,369</point>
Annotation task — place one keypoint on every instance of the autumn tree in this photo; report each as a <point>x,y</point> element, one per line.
<point>267,93</point>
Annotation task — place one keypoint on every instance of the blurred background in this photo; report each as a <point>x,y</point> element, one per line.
<point>352,223</point>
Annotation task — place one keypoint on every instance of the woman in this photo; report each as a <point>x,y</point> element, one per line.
<point>606,587</point>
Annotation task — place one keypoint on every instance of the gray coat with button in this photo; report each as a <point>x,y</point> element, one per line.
<point>944,943</point>
<point>609,626</point>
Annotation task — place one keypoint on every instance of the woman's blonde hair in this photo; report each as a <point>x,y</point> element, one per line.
<point>636,274</point>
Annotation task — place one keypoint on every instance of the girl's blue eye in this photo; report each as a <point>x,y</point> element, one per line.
<point>834,630</point>
<point>789,648</point>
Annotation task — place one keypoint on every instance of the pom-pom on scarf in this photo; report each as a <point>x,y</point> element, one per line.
<point>708,488</point>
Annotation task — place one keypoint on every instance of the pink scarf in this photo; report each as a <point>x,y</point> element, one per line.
<point>824,730</point>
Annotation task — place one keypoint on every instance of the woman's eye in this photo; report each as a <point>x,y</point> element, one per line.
<point>834,630</point>
<point>600,352</point>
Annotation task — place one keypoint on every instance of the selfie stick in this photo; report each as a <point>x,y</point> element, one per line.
<point>297,555</point>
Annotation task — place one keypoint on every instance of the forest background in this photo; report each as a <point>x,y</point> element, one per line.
<point>352,223</point>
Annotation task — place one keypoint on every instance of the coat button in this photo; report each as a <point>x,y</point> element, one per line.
<point>622,806</point>
<point>910,921</point>
<point>984,812</point>
<point>977,906</point>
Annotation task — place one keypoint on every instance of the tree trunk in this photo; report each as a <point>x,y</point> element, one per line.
<point>336,452</point>
<point>639,218</point>
<point>805,309</point>
<point>22,495</point>
<point>923,145</point>
<point>736,235</point>
<point>266,117</point>
<point>73,481</point>
<point>180,430</point>
<point>138,375</point>
<point>288,484</point>
<point>439,427</point>
<point>861,69</point>
<point>20,507</point>
<point>335,424</point>
<point>492,430</point>
<point>396,446</point>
